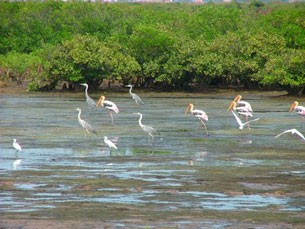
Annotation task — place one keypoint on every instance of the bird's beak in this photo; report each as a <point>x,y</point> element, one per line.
<point>232,105</point>
<point>100,101</point>
<point>237,98</point>
<point>187,109</point>
<point>293,105</point>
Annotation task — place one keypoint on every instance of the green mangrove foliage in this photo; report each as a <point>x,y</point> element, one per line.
<point>175,46</point>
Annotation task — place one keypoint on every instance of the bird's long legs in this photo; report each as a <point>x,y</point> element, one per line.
<point>302,123</point>
<point>111,116</point>
<point>205,127</point>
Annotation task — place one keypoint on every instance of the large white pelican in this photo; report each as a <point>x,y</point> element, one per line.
<point>201,115</point>
<point>292,131</point>
<point>300,110</point>
<point>110,106</point>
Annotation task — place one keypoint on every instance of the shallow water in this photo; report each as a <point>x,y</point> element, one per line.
<point>233,171</point>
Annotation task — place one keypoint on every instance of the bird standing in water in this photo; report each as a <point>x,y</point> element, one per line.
<point>200,114</point>
<point>148,129</point>
<point>134,96</point>
<point>89,100</point>
<point>16,146</point>
<point>84,124</point>
<point>110,106</point>
<point>110,144</point>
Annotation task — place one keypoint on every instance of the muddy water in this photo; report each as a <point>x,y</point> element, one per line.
<point>183,178</point>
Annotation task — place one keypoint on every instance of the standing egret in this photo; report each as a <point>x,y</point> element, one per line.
<point>16,146</point>
<point>135,97</point>
<point>89,100</point>
<point>240,123</point>
<point>148,129</point>
<point>109,143</point>
<point>201,115</point>
<point>84,124</point>
<point>300,110</point>
<point>110,106</point>
<point>292,131</point>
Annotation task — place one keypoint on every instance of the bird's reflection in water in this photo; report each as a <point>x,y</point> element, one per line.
<point>16,163</point>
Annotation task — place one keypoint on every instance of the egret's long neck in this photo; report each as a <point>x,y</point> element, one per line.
<point>86,92</point>
<point>79,113</point>
<point>140,120</point>
<point>130,89</point>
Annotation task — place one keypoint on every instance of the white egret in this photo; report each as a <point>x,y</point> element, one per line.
<point>292,131</point>
<point>109,143</point>
<point>110,106</point>
<point>134,96</point>
<point>200,114</point>
<point>240,123</point>
<point>16,145</point>
<point>84,124</point>
<point>89,100</point>
<point>148,129</point>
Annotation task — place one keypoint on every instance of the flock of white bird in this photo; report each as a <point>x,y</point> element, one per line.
<point>238,108</point>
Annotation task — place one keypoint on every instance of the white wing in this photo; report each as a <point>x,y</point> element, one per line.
<point>292,131</point>
<point>237,119</point>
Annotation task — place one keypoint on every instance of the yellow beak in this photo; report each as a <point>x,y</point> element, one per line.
<point>232,106</point>
<point>293,105</point>
<point>100,101</point>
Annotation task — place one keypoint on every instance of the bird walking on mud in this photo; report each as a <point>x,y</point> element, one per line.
<point>200,114</point>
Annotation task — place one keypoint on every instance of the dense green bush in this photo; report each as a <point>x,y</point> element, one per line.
<point>154,45</point>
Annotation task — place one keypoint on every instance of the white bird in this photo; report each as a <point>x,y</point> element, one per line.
<point>134,96</point>
<point>240,123</point>
<point>16,146</point>
<point>109,143</point>
<point>148,129</point>
<point>292,131</point>
<point>84,124</point>
<point>200,114</point>
<point>89,100</point>
<point>110,106</point>
<point>300,110</point>
<point>243,111</point>
<point>242,103</point>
